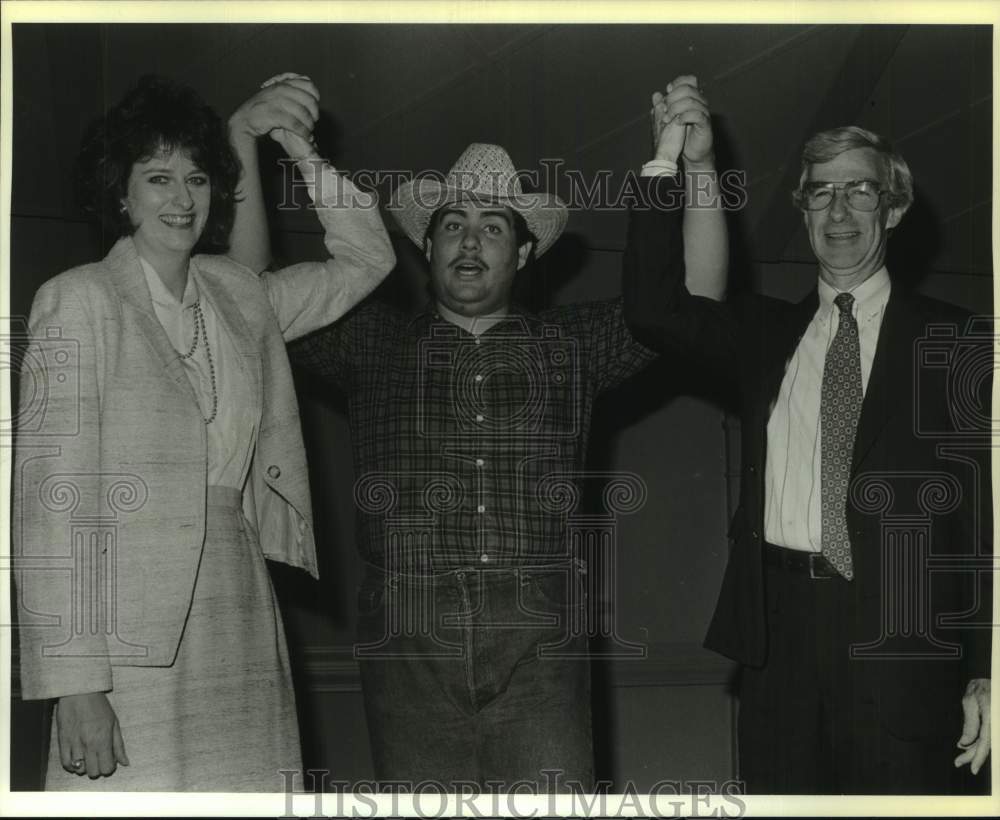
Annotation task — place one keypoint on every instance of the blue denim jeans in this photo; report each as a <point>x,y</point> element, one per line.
<point>478,676</point>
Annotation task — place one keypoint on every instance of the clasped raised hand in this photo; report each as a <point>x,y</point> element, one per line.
<point>682,123</point>
<point>286,107</point>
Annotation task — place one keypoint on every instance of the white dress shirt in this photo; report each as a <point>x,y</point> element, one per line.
<point>792,492</point>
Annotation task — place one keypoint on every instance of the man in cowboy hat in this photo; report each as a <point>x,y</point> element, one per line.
<point>469,423</point>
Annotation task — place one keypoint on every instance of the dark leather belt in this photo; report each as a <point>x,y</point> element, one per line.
<point>813,564</point>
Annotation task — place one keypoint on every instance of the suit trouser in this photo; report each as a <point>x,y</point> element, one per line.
<point>813,720</point>
<point>477,677</point>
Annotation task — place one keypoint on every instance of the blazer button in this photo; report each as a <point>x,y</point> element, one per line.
<point>755,534</point>
<point>273,471</point>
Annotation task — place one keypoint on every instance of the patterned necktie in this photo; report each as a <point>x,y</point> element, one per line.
<point>840,407</point>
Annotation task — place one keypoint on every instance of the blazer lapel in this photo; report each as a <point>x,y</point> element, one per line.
<point>781,336</point>
<point>129,281</point>
<point>889,383</point>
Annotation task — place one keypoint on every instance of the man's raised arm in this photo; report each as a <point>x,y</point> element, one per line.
<point>676,261</point>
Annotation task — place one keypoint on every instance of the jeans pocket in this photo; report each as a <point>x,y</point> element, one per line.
<point>555,590</point>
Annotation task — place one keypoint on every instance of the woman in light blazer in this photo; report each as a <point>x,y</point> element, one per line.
<point>159,457</point>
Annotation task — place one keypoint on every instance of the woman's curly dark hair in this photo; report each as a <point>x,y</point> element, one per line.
<point>157,115</point>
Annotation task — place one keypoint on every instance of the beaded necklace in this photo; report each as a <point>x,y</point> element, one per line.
<point>202,333</point>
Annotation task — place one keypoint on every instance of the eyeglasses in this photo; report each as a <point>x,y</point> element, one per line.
<point>861,194</point>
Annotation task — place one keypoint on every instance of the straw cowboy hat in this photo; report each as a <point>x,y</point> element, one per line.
<point>483,173</point>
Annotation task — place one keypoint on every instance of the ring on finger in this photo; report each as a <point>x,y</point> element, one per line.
<point>78,764</point>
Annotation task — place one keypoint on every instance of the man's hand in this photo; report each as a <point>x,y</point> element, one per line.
<point>975,739</point>
<point>286,107</point>
<point>681,121</point>
<point>88,731</point>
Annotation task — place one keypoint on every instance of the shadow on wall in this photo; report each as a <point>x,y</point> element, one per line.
<point>915,243</point>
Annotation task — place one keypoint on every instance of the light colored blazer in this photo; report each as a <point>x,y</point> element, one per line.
<point>110,467</point>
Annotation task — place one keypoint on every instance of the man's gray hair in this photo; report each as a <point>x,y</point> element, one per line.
<point>826,145</point>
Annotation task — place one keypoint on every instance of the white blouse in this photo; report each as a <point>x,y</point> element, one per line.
<point>232,433</point>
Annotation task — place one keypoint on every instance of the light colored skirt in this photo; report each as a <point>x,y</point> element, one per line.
<point>222,717</point>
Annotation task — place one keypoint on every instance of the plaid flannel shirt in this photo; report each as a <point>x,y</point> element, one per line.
<point>469,451</point>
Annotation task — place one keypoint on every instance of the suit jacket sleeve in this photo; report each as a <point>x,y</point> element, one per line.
<point>62,609</point>
<point>310,295</point>
<point>976,521</point>
<point>659,309</point>
<point>978,641</point>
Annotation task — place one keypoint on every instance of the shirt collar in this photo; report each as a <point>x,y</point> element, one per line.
<point>518,317</point>
<point>163,297</point>
<point>476,325</point>
<point>870,296</point>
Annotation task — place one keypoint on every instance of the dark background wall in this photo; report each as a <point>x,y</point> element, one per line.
<point>412,97</point>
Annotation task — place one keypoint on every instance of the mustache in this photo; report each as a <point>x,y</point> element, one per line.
<point>466,259</point>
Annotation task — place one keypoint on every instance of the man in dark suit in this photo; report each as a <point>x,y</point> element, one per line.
<point>857,593</point>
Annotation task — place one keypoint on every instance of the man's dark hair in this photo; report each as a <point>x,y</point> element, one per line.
<point>522,233</point>
<point>157,116</point>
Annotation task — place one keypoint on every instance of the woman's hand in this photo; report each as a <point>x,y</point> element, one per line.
<point>295,144</point>
<point>286,107</point>
<point>90,740</point>
<point>681,120</point>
